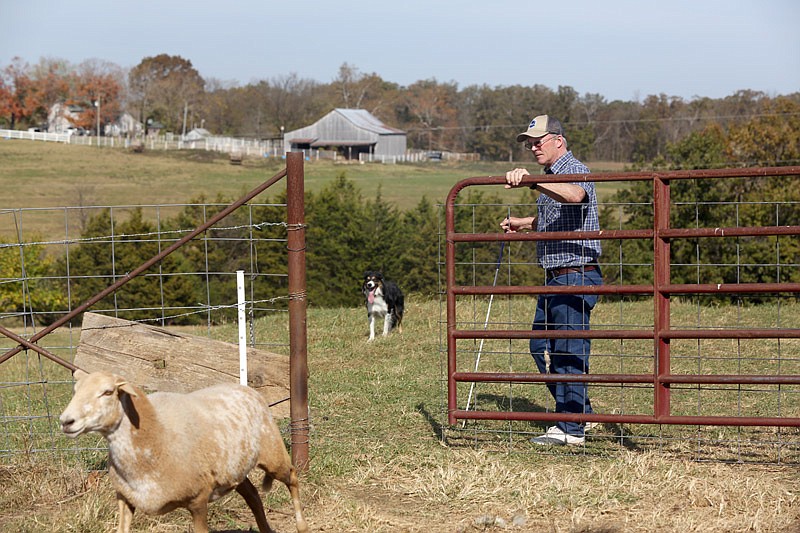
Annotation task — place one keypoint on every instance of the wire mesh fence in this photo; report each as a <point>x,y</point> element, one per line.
<point>193,289</point>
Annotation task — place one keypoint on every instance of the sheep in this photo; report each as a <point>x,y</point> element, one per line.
<point>170,450</point>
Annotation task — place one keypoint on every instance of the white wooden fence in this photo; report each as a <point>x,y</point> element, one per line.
<point>230,145</point>
<point>35,136</point>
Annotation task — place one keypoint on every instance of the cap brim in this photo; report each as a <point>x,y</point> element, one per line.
<point>531,134</point>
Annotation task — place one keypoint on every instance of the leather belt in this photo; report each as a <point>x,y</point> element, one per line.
<point>555,272</point>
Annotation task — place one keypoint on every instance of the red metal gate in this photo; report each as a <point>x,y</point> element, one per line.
<point>661,290</point>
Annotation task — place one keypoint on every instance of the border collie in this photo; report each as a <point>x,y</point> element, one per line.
<point>384,299</point>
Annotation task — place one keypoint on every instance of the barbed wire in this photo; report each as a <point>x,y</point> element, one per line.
<point>201,309</point>
<point>132,236</point>
<point>204,308</point>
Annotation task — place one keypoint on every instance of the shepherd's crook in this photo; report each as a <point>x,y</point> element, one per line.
<point>485,325</point>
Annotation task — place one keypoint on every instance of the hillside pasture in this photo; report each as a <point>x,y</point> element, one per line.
<point>51,175</point>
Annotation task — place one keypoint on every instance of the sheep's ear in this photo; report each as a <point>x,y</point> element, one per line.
<point>79,374</point>
<point>126,387</point>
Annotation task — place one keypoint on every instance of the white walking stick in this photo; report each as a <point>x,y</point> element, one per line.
<point>485,325</point>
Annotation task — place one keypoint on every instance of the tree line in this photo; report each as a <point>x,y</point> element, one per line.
<point>436,115</point>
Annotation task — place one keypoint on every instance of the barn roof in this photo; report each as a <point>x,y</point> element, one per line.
<point>317,143</point>
<point>363,119</point>
<point>355,129</point>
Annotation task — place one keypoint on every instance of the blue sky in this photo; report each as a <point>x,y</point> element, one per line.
<point>622,50</point>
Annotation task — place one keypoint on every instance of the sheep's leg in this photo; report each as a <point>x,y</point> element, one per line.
<point>253,499</point>
<point>125,515</point>
<point>199,510</point>
<point>294,489</point>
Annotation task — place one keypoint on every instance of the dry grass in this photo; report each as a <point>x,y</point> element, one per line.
<point>378,463</point>
<point>454,490</point>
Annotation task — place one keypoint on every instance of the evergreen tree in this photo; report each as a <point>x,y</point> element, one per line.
<point>419,261</point>
<point>117,248</point>
<point>385,244</point>
<point>339,232</point>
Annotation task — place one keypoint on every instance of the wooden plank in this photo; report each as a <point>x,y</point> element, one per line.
<point>159,359</point>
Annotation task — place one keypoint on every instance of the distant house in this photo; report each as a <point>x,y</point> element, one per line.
<point>154,127</point>
<point>61,118</point>
<point>197,134</point>
<point>125,126</point>
<point>349,132</point>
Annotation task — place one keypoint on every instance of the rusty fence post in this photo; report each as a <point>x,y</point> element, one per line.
<point>661,298</point>
<point>298,344</point>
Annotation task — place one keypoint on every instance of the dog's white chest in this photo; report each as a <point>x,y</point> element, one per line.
<point>377,307</point>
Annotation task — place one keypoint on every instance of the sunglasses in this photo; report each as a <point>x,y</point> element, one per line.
<point>537,144</point>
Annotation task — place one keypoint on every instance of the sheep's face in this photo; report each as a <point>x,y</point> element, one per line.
<point>95,405</point>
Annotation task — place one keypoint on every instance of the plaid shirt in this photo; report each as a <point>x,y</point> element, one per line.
<point>555,216</point>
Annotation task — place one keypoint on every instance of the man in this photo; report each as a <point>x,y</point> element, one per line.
<point>561,207</point>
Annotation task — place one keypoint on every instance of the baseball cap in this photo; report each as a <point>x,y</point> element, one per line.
<point>541,126</point>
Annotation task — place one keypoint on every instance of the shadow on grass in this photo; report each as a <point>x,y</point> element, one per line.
<point>436,427</point>
<point>610,432</point>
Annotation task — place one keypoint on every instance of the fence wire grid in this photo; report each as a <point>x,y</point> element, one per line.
<point>194,289</point>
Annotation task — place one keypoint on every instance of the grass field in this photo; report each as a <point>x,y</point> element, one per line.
<point>48,175</point>
<point>379,464</point>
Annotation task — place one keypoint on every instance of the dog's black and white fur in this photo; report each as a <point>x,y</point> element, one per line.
<point>385,300</point>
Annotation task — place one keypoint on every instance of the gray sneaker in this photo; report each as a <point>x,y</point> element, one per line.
<point>592,426</point>
<point>554,436</point>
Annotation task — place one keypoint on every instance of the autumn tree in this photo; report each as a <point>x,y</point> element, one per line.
<point>97,82</point>
<point>491,118</point>
<point>219,111</point>
<point>487,123</point>
<point>5,100</point>
<point>430,112</point>
<point>286,101</point>
<point>163,87</point>
<point>50,81</point>
<point>352,86</point>
<point>18,98</point>
<point>771,138</point>
<point>355,90</point>
<point>293,102</point>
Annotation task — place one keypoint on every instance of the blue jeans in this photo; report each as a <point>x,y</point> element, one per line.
<point>567,356</point>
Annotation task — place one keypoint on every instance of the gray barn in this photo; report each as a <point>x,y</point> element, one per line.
<point>350,132</point>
